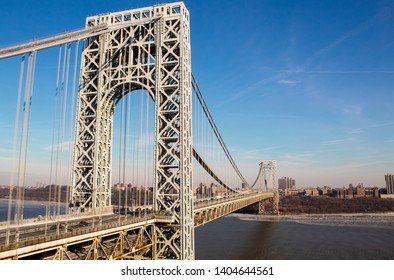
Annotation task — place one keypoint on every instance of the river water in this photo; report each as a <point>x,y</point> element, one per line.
<point>308,237</point>
<point>302,237</point>
<point>31,209</point>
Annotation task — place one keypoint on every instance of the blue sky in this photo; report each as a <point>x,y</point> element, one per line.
<point>307,83</point>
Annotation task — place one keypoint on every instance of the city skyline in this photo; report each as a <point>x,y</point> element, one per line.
<point>307,84</point>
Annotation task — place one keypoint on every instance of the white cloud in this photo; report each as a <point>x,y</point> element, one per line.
<point>270,148</point>
<point>334,142</point>
<point>287,82</point>
<point>251,88</point>
<point>66,146</point>
<point>315,57</point>
<point>302,160</point>
<point>355,131</point>
<point>382,125</point>
<point>353,110</point>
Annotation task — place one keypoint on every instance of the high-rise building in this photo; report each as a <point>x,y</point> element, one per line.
<point>286,184</point>
<point>389,183</point>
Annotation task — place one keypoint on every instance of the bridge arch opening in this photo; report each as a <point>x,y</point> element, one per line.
<point>132,150</point>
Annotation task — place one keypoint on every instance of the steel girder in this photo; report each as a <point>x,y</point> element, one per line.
<point>152,53</point>
<point>132,243</point>
<point>262,209</point>
<point>209,213</point>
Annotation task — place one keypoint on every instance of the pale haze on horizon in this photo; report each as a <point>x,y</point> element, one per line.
<point>309,84</point>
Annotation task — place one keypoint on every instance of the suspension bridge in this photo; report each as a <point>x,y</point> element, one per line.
<point>136,159</point>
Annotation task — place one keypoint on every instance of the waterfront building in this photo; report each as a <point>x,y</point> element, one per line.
<point>286,184</point>
<point>359,191</point>
<point>389,178</point>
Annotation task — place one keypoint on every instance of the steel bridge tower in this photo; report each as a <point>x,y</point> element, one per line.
<point>149,49</point>
<point>267,174</point>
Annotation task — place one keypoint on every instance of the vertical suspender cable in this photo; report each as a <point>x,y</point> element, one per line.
<point>126,151</point>
<point>201,124</point>
<point>64,112</point>
<point>212,153</point>
<point>16,128</point>
<point>214,127</point>
<point>72,117</point>
<point>135,130</point>
<point>25,131</point>
<point>22,142</point>
<point>57,165</point>
<point>51,183</point>
<point>21,149</point>
<point>140,120</point>
<point>146,148</point>
<point>203,146</point>
<point>31,87</point>
<point>120,181</point>
<point>128,140</point>
<point>201,174</point>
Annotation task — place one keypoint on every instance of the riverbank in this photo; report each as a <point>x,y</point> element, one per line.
<point>372,220</point>
<point>298,205</point>
<point>295,205</point>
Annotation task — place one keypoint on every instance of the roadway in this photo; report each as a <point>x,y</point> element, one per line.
<point>69,227</point>
<point>65,224</point>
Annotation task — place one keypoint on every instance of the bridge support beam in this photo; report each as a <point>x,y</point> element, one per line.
<point>262,205</point>
<point>275,204</point>
<point>269,206</point>
<point>268,181</point>
<point>173,151</point>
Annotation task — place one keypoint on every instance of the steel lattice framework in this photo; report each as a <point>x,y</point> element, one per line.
<point>267,175</point>
<point>151,51</point>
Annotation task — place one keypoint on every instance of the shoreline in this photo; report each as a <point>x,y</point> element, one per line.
<point>295,205</point>
<point>358,214</point>
<point>391,213</point>
<point>40,202</point>
<point>365,220</point>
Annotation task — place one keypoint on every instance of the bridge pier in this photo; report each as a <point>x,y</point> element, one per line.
<point>275,204</point>
<point>262,205</point>
<point>269,206</point>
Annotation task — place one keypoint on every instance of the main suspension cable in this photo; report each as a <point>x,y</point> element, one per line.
<point>211,121</point>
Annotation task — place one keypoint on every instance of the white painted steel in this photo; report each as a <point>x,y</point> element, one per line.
<point>154,56</point>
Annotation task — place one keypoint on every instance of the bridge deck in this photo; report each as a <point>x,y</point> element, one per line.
<point>63,239</point>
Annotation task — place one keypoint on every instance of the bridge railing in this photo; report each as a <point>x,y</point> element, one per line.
<point>63,229</point>
<point>213,201</point>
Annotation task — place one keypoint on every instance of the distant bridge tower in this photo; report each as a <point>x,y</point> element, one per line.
<point>267,181</point>
<point>147,48</point>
